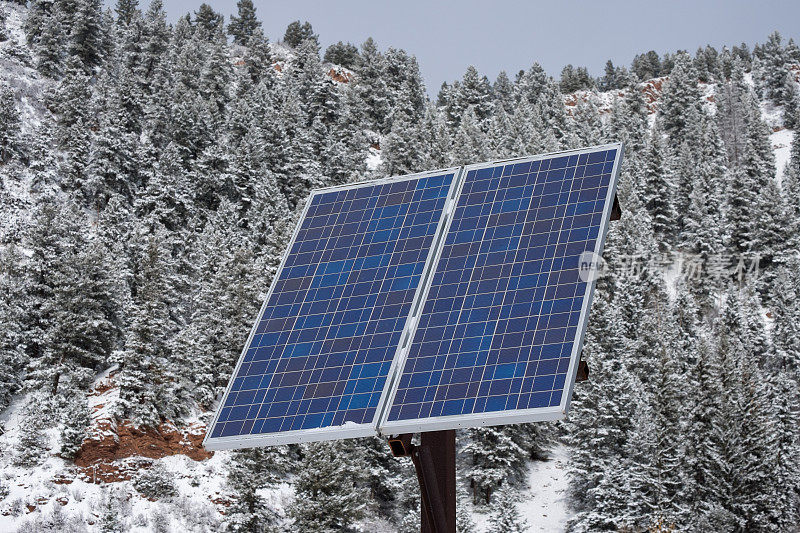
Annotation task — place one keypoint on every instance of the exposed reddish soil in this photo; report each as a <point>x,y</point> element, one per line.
<point>652,91</point>
<point>112,442</point>
<point>341,77</point>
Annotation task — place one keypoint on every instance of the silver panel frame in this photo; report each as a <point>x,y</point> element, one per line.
<point>539,414</point>
<point>349,429</point>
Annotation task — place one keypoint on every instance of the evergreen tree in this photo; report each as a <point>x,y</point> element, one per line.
<point>244,26</point>
<point>10,125</point>
<point>370,85</point>
<point>249,471</point>
<point>699,467</point>
<point>223,308</point>
<point>785,448</point>
<point>296,33</point>
<point>464,522</point>
<point>470,143</point>
<point>504,92</point>
<point>531,83</point>
<point>209,23</point>
<point>85,34</point>
<point>31,446</point>
<point>747,193</point>
<point>658,190</point>
<point>575,79</point>
<point>342,54</point>
<point>12,315</point>
<point>732,113</point>
<point>647,66</point>
<point>785,307</point>
<point>505,516</point>
<point>76,420</point>
<point>771,75</point>
<point>147,384</point>
<point>611,77</point>
<point>680,102</point>
<point>791,96</point>
<point>68,328</point>
<point>494,457</point>
<point>126,11</point>
<point>328,496</point>
<point>476,92</point>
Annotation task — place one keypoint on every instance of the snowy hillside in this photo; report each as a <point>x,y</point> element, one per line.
<point>150,175</point>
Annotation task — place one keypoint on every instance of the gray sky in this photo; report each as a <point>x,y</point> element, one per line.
<point>497,35</point>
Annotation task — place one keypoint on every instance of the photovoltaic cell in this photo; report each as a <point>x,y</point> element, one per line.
<point>324,343</point>
<point>502,324</point>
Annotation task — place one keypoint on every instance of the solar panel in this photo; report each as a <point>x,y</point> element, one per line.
<point>499,336</point>
<point>316,362</point>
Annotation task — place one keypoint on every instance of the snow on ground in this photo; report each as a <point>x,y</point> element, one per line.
<point>544,503</point>
<point>781,145</point>
<point>373,159</point>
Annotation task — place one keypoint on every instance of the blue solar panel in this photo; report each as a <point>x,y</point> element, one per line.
<point>502,324</point>
<point>325,340</point>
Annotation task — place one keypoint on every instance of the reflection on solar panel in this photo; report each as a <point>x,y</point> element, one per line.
<point>316,362</point>
<point>500,333</point>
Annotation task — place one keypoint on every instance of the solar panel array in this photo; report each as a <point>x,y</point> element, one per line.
<point>330,328</point>
<point>500,323</point>
<point>442,300</point>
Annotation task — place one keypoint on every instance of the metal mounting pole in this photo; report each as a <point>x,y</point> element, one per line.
<point>435,463</point>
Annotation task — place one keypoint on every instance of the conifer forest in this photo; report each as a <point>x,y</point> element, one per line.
<point>151,174</point>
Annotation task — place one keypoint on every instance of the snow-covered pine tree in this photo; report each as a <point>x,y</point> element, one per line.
<point>405,86</point>
<point>587,124</point>
<point>732,114</point>
<point>531,83</point>
<point>244,25</point>
<point>249,472</point>
<point>11,141</point>
<point>791,96</point>
<point>342,54</point>
<point>505,517</point>
<point>68,327</point>
<point>464,521</point>
<point>747,198</point>
<point>745,483</point>
<point>494,459</point>
<point>699,468</point>
<point>658,190</point>
<point>85,34</point>
<point>654,446</point>
<point>470,143</point>
<point>785,308</point>
<point>297,33</point>
<point>503,91</point>
<point>680,101</point>
<point>474,91</point>
<point>148,389</point>
<point>12,315</point>
<point>501,135</point>
<point>224,306</point>
<point>770,77</point>
<point>370,86</point>
<point>70,102</point>
<point>30,449</point>
<point>329,494</point>
<point>76,420</point>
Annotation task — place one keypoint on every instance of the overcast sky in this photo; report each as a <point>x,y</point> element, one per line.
<point>497,35</point>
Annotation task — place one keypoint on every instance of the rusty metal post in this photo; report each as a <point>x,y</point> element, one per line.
<point>440,447</point>
<point>435,463</point>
